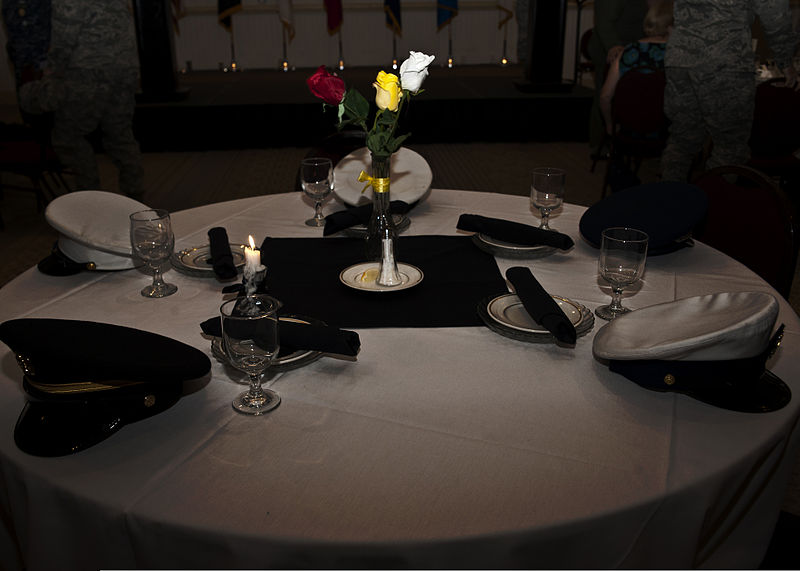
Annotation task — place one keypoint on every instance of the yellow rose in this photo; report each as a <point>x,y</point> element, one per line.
<point>387,91</point>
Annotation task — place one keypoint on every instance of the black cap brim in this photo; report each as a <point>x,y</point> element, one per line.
<point>769,393</point>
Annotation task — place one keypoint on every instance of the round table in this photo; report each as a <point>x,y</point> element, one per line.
<point>435,447</point>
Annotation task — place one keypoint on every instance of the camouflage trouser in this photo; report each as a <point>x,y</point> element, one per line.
<point>701,104</point>
<point>95,99</point>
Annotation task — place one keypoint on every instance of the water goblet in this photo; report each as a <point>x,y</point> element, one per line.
<point>250,339</point>
<point>152,241</point>
<point>547,192</point>
<point>623,252</point>
<point>316,178</point>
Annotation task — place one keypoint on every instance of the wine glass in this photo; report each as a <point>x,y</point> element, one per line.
<point>152,240</point>
<point>316,178</point>
<point>250,338</point>
<point>623,252</point>
<point>547,192</point>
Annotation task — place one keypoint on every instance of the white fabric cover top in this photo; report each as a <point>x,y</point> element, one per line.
<point>713,327</point>
<point>94,226</point>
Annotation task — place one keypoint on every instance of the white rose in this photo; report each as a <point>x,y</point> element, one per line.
<point>414,70</point>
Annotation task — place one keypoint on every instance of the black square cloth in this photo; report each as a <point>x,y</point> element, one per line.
<point>303,273</point>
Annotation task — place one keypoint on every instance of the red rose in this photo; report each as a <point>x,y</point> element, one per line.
<point>328,87</point>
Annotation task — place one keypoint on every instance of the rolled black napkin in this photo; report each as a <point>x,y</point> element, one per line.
<point>354,216</point>
<point>514,232</point>
<point>308,336</point>
<point>540,305</point>
<point>221,256</point>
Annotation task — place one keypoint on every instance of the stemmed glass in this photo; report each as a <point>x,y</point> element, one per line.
<point>152,240</point>
<point>623,252</point>
<point>250,338</point>
<point>547,192</point>
<point>316,178</point>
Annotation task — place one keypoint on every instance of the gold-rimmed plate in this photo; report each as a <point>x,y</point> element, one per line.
<point>197,261</point>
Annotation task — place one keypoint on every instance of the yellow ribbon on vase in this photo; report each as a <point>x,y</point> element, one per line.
<point>377,184</point>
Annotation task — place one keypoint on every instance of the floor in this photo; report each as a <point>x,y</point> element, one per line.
<point>179,180</point>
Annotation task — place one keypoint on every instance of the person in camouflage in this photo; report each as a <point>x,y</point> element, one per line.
<point>93,55</point>
<point>710,71</point>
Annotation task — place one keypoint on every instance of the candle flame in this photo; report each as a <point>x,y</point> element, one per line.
<point>252,242</point>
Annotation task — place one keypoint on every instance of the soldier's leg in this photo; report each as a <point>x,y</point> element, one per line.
<point>728,103</point>
<point>73,121</point>
<point>118,139</point>
<point>686,132</point>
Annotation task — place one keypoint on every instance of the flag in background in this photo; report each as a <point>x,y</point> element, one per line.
<point>393,21</point>
<point>226,9</point>
<point>287,19</point>
<point>334,10</point>
<point>446,10</point>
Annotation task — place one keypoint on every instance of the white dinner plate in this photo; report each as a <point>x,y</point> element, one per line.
<point>410,175</point>
<point>197,261</point>
<point>508,310</point>
<point>354,277</point>
<point>508,249</point>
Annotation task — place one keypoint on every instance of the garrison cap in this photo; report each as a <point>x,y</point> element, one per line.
<point>85,380</point>
<point>93,232</point>
<point>713,348</point>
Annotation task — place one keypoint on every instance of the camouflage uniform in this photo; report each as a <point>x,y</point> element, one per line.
<point>711,77</point>
<point>94,55</point>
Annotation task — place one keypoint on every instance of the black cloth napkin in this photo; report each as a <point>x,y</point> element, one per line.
<point>221,256</point>
<point>355,215</point>
<point>304,275</point>
<point>298,336</point>
<point>514,232</point>
<point>540,305</point>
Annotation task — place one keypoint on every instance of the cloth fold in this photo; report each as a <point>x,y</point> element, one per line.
<point>540,305</point>
<point>303,336</point>
<point>514,232</point>
<point>356,215</point>
<point>221,256</point>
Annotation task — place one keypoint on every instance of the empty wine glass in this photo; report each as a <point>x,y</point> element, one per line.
<point>152,240</point>
<point>316,178</point>
<point>547,192</point>
<point>623,252</point>
<point>250,338</point>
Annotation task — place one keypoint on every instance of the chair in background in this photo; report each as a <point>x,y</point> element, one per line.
<point>640,126</point>
<point>775,136</point>
<point>25,152</point>
<point>752,220</point>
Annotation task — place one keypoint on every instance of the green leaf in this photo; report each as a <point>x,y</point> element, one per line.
<point>355,105</point>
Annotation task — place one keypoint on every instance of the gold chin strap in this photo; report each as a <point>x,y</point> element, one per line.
<point>378,184</point>
<point>80,387</point>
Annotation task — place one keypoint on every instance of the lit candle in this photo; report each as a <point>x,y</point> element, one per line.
<point>252,259</point>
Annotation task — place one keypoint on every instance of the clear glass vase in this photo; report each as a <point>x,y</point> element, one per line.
<point>381,231</point>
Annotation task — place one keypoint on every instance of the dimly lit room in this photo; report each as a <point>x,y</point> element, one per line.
<point>399,284</point>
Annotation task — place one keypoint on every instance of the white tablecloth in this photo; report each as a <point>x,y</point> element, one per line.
<point>451,447</point>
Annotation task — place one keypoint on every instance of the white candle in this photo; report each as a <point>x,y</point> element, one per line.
<point>252,258</point>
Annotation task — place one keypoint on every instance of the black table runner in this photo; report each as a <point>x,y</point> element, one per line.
<point>303,273</point>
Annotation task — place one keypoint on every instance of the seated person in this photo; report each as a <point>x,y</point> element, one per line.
<point>645,54</point>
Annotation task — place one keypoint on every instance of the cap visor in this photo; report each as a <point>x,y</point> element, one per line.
<point>767,394</point>
<point>58,429</point>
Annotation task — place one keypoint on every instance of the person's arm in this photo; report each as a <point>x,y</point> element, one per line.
<point>776,21</point>
<point>607,93</point>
